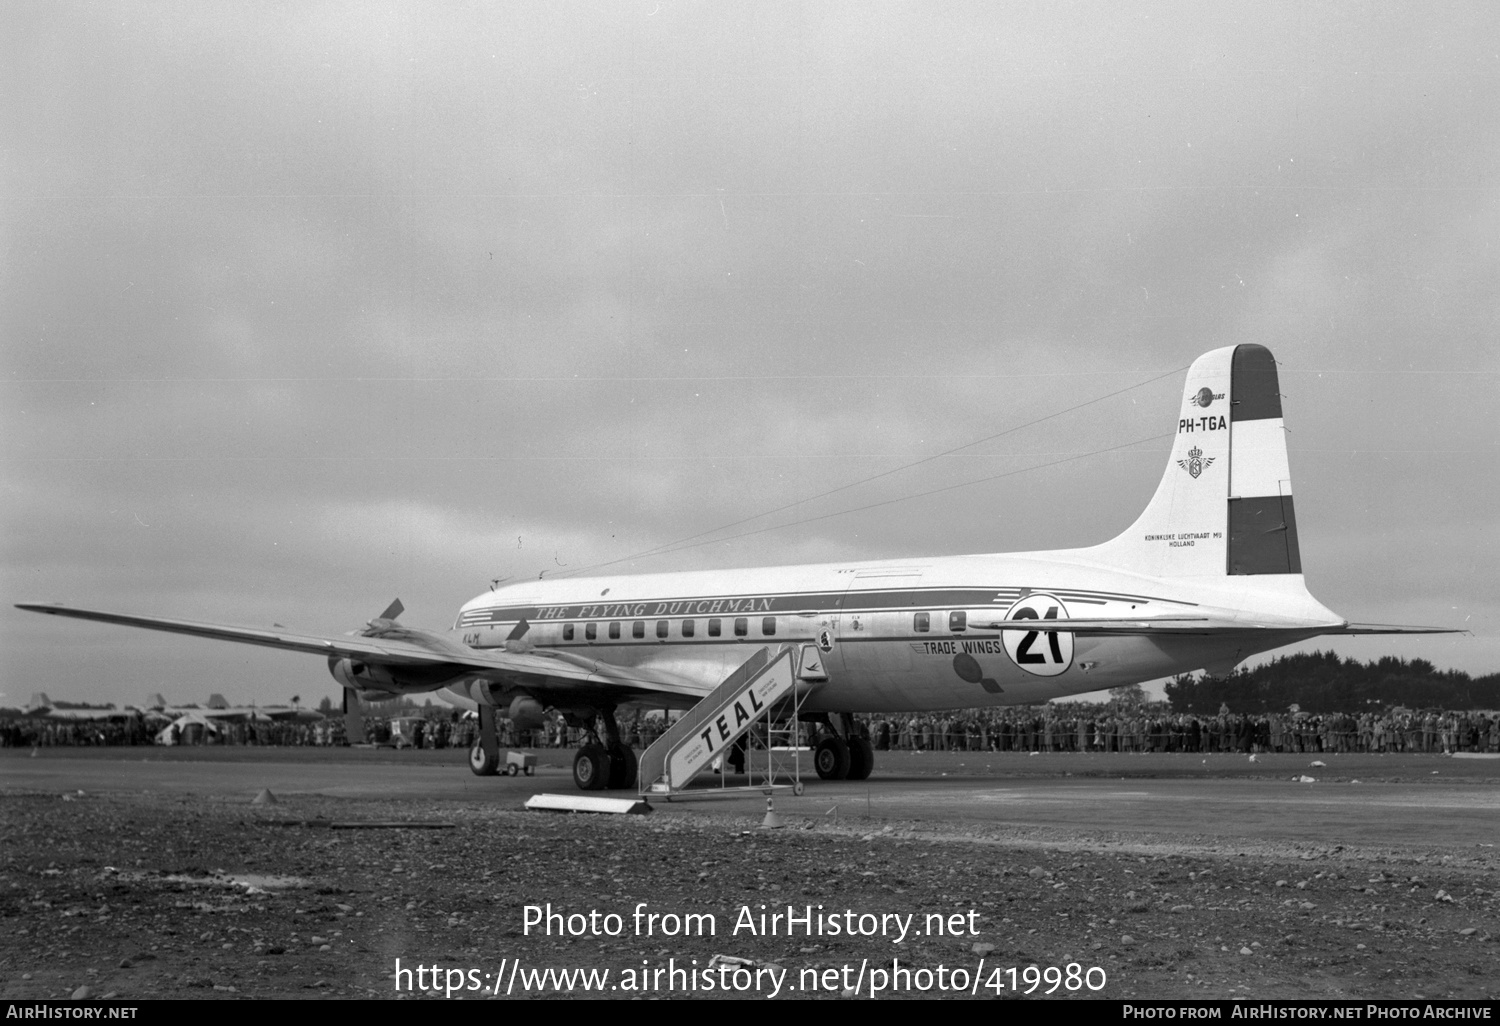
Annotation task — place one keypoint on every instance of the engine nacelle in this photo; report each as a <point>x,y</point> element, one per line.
<point>526,713</point>
<point>360,677</point>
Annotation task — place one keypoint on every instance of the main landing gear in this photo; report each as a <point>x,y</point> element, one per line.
<point>604,764</point>
<point>599,767</point>
<point>484,757</point>
<point>483,763</point>
<point>844,752</point>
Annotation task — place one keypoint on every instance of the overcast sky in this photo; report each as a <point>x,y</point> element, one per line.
<point>305,307</point>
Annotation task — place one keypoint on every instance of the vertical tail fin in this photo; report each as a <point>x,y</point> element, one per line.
<point>1224,505</point>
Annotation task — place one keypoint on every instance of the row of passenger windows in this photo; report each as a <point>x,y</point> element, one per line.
<point>921,623</point>
<point>663,628</point>
<point>957,621</point>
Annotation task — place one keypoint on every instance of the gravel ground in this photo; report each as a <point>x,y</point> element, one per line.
<point>163,896</point>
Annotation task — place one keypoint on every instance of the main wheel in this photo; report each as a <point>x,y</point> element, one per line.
<point>832,758</point>
<point>622,766</point>
<point>591,768</point>
<point>861,758</point>
<point>482,763</point>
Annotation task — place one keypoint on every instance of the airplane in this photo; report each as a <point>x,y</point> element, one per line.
<point>43,708</point>
<point>172,733</point>
<point>1209,575</point>
<point>216,708</point>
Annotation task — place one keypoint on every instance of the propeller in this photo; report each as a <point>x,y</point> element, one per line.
<point>385,620</point>
<point>354,719</point>
<point>516,641</point>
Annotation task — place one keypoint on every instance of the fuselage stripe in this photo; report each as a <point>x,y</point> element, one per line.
<point>818,603</point>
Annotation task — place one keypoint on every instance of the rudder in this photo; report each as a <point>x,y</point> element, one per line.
<point>1262,523</point>
<point>1224,505</point>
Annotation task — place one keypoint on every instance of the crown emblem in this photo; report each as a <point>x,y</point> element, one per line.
<point>1195,463</point>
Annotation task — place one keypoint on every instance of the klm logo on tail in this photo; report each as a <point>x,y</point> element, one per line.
<point>1195,464</point>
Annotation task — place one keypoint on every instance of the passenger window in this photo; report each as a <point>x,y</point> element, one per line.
<point>958,621</point>
<point>768,625</point>
<point>922,622</point>
<point>638,629</point>
<point>590,631</point>
<point>741,626</point>
<point>687,628</point>
<point>567,632</point>
<point>661,629</point>
<point>614,631</point>
<point>713,627</point>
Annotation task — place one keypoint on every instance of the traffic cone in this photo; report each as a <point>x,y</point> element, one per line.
<point>772,821</point>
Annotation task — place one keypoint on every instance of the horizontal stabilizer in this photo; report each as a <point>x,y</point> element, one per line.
<point>1151,625</point>
<point>1391,628</point>
<point>1197,625</point>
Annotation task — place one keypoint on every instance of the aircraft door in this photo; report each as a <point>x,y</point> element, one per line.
<point>821,659</point>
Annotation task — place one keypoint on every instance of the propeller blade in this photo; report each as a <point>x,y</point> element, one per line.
<point>518,631</point>
<point>392,611</point>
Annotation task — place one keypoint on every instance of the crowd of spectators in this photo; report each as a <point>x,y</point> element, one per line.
<point>1083,727</point>
<point>1057,727</point>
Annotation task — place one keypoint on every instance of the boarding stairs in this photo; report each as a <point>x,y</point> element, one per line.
<point>761,699</point>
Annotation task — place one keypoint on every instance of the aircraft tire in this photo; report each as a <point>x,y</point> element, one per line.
<point>622,767</point>
<point>591,768</point>
<point>831,758</point>
<point>481,762</point>
<point>861,758</point>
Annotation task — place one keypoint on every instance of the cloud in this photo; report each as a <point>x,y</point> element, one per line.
<point>304,307</point>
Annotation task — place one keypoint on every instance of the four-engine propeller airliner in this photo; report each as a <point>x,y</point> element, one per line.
<point>1207,576</point>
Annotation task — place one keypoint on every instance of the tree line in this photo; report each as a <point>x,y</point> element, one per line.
<point>1321,682</point>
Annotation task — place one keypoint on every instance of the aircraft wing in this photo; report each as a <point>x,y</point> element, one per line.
<point>420,650</point>
<point>393,653</point>
<point>295,715</point>
<point>79,715</point>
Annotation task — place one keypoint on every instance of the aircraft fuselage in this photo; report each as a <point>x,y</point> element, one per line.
<point>891,636</point>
